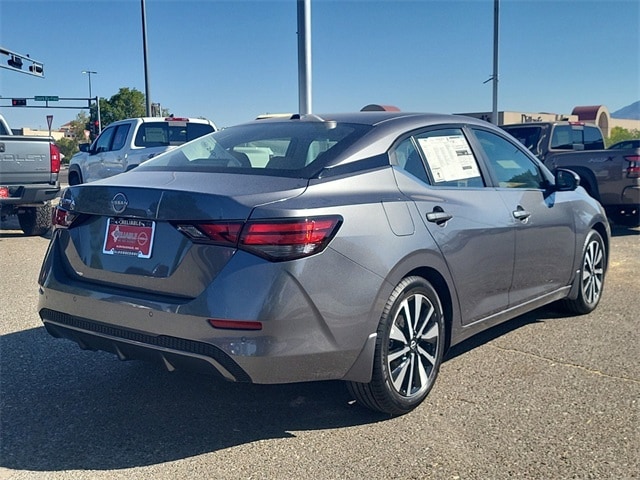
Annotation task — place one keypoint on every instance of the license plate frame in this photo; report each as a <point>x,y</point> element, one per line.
<point>129,237</point>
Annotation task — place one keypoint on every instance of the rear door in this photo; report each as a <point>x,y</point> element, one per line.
<point>468,220</point>
<point>543,221</point>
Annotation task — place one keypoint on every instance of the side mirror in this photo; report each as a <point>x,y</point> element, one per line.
<point>566,180</point>
<point>84,147</point>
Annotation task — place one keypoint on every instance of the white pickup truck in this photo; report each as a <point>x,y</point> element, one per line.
<point>125,144</point>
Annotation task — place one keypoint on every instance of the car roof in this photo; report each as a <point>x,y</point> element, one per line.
<point>376,118</point>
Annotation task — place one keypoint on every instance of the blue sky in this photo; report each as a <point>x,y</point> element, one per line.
<point>230,61</point>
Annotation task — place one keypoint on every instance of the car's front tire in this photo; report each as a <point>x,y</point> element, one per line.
<point>591,277</point>
<point>409,350</point>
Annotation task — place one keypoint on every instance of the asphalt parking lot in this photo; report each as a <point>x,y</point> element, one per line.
<point>542,397</point>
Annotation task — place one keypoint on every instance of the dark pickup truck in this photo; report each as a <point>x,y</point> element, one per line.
<point>29,168</point>
<point>611,176</point>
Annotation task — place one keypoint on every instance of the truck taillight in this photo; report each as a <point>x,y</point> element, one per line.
<point>633,170</point>
<point>54,152</point>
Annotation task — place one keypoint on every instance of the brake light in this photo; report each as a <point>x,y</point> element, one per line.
<point>62,218</point>
<point>276,240</point>
<point>176,119</point>
<point>633,170</point>
<point>54,153</point>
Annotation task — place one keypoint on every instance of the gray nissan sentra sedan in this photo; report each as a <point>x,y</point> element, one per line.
<point>350,246</point>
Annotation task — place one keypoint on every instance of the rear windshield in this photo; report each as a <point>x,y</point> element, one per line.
<point>162,134</point>
<point>290,149</point>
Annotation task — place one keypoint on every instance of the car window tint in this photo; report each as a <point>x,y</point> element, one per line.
<point>292,149</point>
<point>120,137</point>
<point>593,138</point>
<point>409,160</point>
<point>449,159</point>
<point>103,142</point>
<point>562,137</point>
<point>152,135</point>
<point>512,167</point>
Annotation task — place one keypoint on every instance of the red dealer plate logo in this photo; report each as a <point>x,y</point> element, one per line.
<point>129,237</point>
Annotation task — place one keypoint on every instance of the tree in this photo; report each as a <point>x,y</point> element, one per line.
<point>68,147</point>
<point>618,134</point>
<point>127,103</point>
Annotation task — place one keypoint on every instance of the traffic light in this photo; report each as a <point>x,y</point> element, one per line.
<point>36,68</point>
<point>15,62</point>
<point>18,102</point>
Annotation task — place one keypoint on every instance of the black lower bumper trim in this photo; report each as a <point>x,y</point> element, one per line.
<point>81,329</point>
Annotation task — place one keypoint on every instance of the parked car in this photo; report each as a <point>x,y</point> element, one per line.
<point>362,249</point>
<point>625,144</point>
<point>125,144</point>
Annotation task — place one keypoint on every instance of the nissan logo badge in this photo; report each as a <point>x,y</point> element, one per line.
<point>119,202</point>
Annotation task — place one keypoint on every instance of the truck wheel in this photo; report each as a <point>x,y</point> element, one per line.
<point>74,178</point>
<point>35,220</point>
<point>591,278</point>
<point>409,350</point>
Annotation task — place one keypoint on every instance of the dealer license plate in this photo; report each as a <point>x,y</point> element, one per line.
<point>125,236</point>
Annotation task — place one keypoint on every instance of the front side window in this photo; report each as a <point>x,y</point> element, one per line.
<point>511,166</point>
<point>103,142</point>
<point>593,139</point>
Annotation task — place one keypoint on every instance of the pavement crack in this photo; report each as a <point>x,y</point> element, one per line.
<point>568,364</point>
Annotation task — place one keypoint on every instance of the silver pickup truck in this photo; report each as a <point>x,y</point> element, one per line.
<point>29,168</point>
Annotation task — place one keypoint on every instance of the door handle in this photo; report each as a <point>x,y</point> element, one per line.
<point>521,214</point>
<point>438,216</point>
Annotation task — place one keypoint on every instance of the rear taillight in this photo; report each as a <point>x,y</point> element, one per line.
<point>54,153</point>
<point>633,170</point>
<point>4,192</point>
<point>276,240</point>
<point>62,218</point>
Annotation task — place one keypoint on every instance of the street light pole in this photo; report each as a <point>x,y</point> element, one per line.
<point>89,72</point>
<point>147,93</point>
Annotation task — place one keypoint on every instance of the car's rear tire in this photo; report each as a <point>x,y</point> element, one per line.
<point>409,350</point>
<point>591,280</point>
<point>35,220</point>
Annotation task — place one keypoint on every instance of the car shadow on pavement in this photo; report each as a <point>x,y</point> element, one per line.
<point>623,231</point>
<point>65,409</point>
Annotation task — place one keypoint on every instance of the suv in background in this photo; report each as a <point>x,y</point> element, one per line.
<point>125,144</point>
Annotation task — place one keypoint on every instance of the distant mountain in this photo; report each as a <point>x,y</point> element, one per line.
<point>630,112</point>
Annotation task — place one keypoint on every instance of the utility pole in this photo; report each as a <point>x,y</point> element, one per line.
<point>304,57</point>
<point>496,20</point>
<point>89,73</point>
<point>147,92</point>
